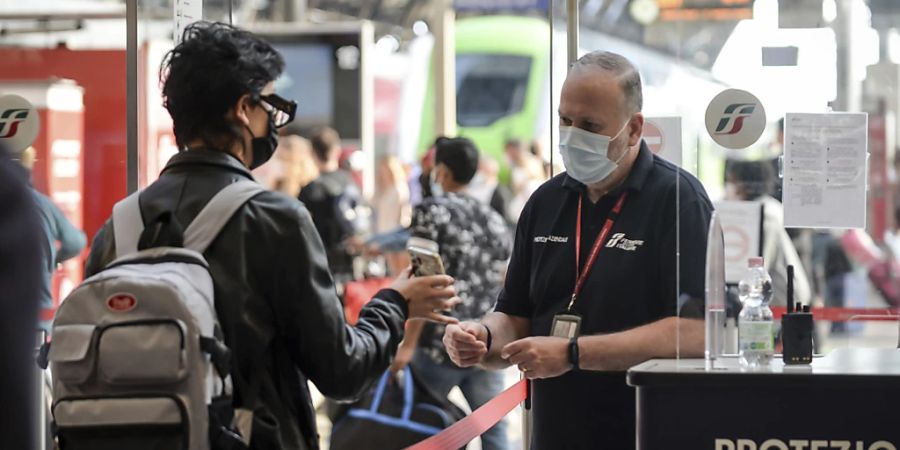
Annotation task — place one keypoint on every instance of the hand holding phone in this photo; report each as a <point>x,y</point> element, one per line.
<point>425,257</point>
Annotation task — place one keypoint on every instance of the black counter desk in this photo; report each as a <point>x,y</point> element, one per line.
<point>849,399</point>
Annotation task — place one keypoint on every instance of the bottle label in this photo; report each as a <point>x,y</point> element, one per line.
<point>756,336</point>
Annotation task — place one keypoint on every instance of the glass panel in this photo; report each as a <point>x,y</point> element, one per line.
<point>803,59</point>
<point>68,60</point>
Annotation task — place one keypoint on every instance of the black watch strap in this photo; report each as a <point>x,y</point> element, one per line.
<point>573,353</point>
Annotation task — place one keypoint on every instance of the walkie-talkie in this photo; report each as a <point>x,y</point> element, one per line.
<point>796,328</point>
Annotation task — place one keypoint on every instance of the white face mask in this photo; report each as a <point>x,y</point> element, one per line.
<point>436,189</point>
<point>731,191</point>
<point>586,154</point>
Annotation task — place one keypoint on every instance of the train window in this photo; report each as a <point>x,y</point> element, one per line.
<point>490,87</point>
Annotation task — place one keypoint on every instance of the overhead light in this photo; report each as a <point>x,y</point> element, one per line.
<point>829,10</point>
<point>644,12</point>
<point>420,28</point>
<point>388,43</point>
<point>348,57</point>
<point>894,46</point>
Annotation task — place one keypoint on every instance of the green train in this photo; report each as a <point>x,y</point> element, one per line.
<point>508,88</point>
<point>502,82</point>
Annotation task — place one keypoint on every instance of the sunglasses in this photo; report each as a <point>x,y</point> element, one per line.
<point>282,110</point>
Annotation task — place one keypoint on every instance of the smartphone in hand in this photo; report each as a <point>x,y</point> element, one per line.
<point>425,257</point>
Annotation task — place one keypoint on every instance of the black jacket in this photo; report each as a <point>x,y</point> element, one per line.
<point>275,299</point>
<point>22,253</point>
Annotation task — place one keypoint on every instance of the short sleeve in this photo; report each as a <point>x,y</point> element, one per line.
<point>515,299</point>
<point>683,257</point>
<point>427,221</point>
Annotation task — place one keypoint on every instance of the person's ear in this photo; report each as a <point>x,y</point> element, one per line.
<point>242,110</point>
<point>635,129</point>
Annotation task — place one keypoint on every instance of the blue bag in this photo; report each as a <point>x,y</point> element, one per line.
<point>393,415</point>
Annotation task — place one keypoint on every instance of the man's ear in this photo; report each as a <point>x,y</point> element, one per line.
<point>241,110</point>
<point>635,129</point>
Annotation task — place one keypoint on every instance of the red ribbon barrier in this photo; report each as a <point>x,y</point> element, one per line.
<point>831,314</point>
<point>460,433</point>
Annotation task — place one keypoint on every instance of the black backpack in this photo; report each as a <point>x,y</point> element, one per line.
<point>337,207</point>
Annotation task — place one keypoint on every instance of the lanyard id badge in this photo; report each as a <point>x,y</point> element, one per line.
<point>567,324</point>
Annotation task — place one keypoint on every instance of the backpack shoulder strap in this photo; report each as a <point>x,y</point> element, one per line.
<point>128,224</point>
<point>216,214</point>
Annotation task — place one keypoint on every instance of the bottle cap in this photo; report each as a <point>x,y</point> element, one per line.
<point>756,261</point>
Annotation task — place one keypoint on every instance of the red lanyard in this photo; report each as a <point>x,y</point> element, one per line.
<point>598,244</point>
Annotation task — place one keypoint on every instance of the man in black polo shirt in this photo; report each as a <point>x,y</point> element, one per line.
<point>625,309</point>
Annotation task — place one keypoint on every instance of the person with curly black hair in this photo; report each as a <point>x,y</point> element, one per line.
<point>275,298</point>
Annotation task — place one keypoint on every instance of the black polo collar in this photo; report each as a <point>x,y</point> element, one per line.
<point>643,165</point>
<point>204,157</point>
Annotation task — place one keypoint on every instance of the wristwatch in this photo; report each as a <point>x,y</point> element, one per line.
<point>573,353</point>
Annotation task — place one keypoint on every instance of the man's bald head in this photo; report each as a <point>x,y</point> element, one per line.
<point>619,67</point>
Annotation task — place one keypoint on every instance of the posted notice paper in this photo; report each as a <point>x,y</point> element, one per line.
<point>825,170</point>
<point>186,13</point>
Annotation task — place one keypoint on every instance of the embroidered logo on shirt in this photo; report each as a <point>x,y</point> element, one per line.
<point>619,241</point>
<point>555,239</point>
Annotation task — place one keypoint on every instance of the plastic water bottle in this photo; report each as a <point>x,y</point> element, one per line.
<point>756,338</point>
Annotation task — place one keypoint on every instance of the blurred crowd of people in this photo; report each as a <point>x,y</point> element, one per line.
<point>319,170</point>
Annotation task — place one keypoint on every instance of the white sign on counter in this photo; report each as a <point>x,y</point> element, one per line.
<point>741,230</point>
<point>825,170</point>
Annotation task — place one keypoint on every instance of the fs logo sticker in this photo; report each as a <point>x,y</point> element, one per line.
<point>10,120</point>
<point>735,115</point>
<point>735,119</point>
<point>19,123</point>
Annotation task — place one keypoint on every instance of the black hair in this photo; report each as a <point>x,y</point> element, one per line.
<point>205,75</point>
<point>324,140</point>
<point>438,140</point>
<point>460,156</point>
<point>753,178</point>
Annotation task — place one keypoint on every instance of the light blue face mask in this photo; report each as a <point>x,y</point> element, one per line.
<point>436,189</point>
<point>586,154</point>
